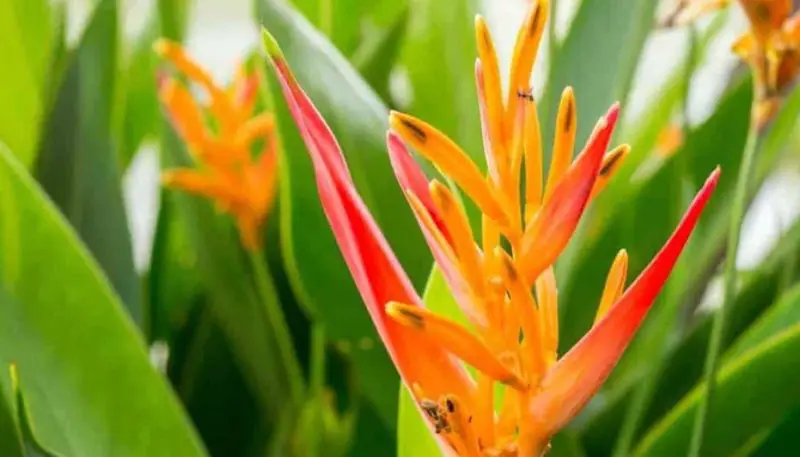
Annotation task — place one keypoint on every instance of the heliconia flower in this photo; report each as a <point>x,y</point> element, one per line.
<point>229,175</point>
<point>772,49</point>
<point>505,284</point>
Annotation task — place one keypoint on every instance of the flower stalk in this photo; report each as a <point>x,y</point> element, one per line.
<point>720,322</point>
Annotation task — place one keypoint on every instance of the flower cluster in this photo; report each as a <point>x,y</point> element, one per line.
<point>504,284</point>
<point>239,184</point>
<point>771,47</point>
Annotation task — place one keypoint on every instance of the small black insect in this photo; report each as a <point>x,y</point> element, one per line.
<point>437,415</point>
<point>526,95</point>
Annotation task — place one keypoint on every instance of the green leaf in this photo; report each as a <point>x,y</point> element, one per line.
<point>173,16</point>
<point>566,444</point>
<point>26,36</point>
<point>89,386</point>
<point>376,58</point>
<point>140,112</point>
<point>598,59</point>
<point>782,440</point>
<point>77,163</point>
<point>140,116</point>
<point>768,376</point>
<point>173,283</point>
<point>210,382</point>
<point>313,261</point>
<point>439,56</point>
<point>347,23</point>
<point>784,314</point>
<point>10,433</point>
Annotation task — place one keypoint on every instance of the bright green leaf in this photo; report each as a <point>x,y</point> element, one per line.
<point>26,36</point>
<point>89,386</point>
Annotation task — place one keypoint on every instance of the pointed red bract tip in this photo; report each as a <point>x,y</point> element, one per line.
<point>612,115</point>
<point>581,372</point>
<point>553,226</point>
<point>376,271</point>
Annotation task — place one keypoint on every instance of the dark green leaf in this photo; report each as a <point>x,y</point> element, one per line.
<point>782,440</point>
<point>89,386</point>
<point>755,390</point>
<point>10,433</point>
<point>216,394</point>
<point>234,302</point>
<point>77,163</point>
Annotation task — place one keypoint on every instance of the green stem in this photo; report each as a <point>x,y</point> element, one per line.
<point>317,371</point>
<point>720,319</point>
<point>316,385</point>
<point>276,325</point>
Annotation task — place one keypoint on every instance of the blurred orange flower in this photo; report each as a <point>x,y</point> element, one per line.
<point>669,139</point>
<point>772,49</point>
<point>229,175</point>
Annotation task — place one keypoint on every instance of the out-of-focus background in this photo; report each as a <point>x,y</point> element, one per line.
<point>221,31</point>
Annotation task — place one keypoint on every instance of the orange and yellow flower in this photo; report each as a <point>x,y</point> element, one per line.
<point>772,49</point>
<point>228,174</point>
<point>504,284</point>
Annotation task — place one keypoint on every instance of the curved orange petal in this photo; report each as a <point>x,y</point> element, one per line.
<point>415,186</point>
<point>581,372</point>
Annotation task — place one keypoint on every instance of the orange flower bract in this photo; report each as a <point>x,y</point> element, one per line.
<point>228,175</point>
<point>772,49</point>
<point>505,283</point>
